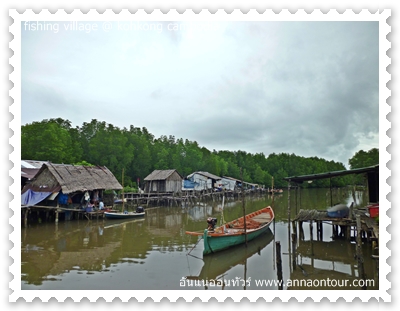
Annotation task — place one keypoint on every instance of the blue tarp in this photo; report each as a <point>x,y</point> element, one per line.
<point>31,198</point>
<point>188,184</point>
<point>63,198</point>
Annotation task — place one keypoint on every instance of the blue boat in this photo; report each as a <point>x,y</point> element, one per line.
<point>234,232</point>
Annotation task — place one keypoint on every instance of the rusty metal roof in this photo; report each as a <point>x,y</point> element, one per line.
<point>161,175</point>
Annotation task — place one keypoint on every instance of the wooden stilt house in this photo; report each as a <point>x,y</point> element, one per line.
<point>162,181</point>
<point>62,184</point>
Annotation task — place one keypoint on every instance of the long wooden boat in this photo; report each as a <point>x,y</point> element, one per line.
<point>124,215</point>
<point>233,232</point>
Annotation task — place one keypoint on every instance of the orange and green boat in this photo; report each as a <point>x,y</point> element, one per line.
<point>235,232</point>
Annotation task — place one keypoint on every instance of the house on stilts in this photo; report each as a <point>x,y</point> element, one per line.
<point>65,187</point>
<point>163,181</point>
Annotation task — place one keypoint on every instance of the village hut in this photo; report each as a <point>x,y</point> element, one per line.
<point>228,183</point>
<point>68,185</point>
<point>162,181</point>
<point>202,181</point>
<point>237,183</point>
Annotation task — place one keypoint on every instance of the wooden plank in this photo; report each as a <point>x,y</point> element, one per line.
<point>262,218</point>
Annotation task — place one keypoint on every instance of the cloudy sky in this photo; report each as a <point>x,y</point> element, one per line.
<point>309,88</point>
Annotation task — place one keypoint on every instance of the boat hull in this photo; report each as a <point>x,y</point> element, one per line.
<point>123,215</point>
<point>214,244</point>
<point>234,233</point>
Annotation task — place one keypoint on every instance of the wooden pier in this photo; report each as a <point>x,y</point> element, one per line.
<point>190,197</point>
<point>357,227</point>
<point>53,213</point>
<point>340,226</point>
<point>43,213</point>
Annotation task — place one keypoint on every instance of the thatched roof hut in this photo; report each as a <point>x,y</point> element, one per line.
<point>73,178</point>
<point>163,181</point>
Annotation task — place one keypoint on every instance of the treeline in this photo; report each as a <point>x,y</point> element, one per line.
<point>138,152</point>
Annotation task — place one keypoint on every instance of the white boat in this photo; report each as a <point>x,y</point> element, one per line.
<point>126,215</point>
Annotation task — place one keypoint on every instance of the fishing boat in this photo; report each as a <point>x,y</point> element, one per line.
<point>235,232</point>
<point>139,212</point>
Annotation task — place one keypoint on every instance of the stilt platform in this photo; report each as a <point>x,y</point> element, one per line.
<point>346,225</point>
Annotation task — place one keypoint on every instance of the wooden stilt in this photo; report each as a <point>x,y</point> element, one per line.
<point>311,238</point>
<point>294,242</point>
<point>279,264</point>
<point>301,231</point>
<point>26,217</point>
<point>360,259</point>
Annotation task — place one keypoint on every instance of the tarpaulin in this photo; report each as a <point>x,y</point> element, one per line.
<point>31,198</point>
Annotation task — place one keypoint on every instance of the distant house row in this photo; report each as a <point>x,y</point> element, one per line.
<point>76,184</point>
<point>172,181</point>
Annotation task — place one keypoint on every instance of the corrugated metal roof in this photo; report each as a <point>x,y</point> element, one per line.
<point>160,174</point>
<point>206,174</point>
<point>238,180</point>
<point>29,172</point>
<point>300,179</point>
<point>32,163</point>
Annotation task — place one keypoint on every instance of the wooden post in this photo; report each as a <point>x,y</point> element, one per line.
<point>26,217</point>
<point>294,228</point>
<point>244,209</point>
<point>123,196</point>
<point>148,194</point>
<point>272,189</point>
<point>348,232</point>
<point>359,254</point>
<point>311,238</point>
<point>301,231</point>
<point>279,264</point>
<point>289,200</point>
<point>294,250</point>
<point>320,232</point>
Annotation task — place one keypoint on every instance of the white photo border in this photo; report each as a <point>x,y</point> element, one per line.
<point>189,15</point>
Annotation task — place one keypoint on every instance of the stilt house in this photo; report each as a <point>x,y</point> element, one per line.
<point>62,184</point>
<point>163,181</point>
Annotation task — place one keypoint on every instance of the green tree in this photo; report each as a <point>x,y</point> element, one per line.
<point>109,146</point>
<point>364,159</point>
<point>50,140</point>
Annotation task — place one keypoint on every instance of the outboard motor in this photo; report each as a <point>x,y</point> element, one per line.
<point>139,209</point>
<point>211,223</point>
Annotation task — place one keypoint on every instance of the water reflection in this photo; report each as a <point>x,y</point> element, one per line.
<point>151,253</point>
<point>215,266</point>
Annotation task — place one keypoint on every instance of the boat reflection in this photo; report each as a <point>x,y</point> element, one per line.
<point>121,222</point>
<point>216,265</point>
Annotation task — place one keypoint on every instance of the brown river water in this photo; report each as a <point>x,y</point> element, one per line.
<point>154,253</point>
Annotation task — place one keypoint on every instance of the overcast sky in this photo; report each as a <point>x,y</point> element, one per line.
<point>309,88</point>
